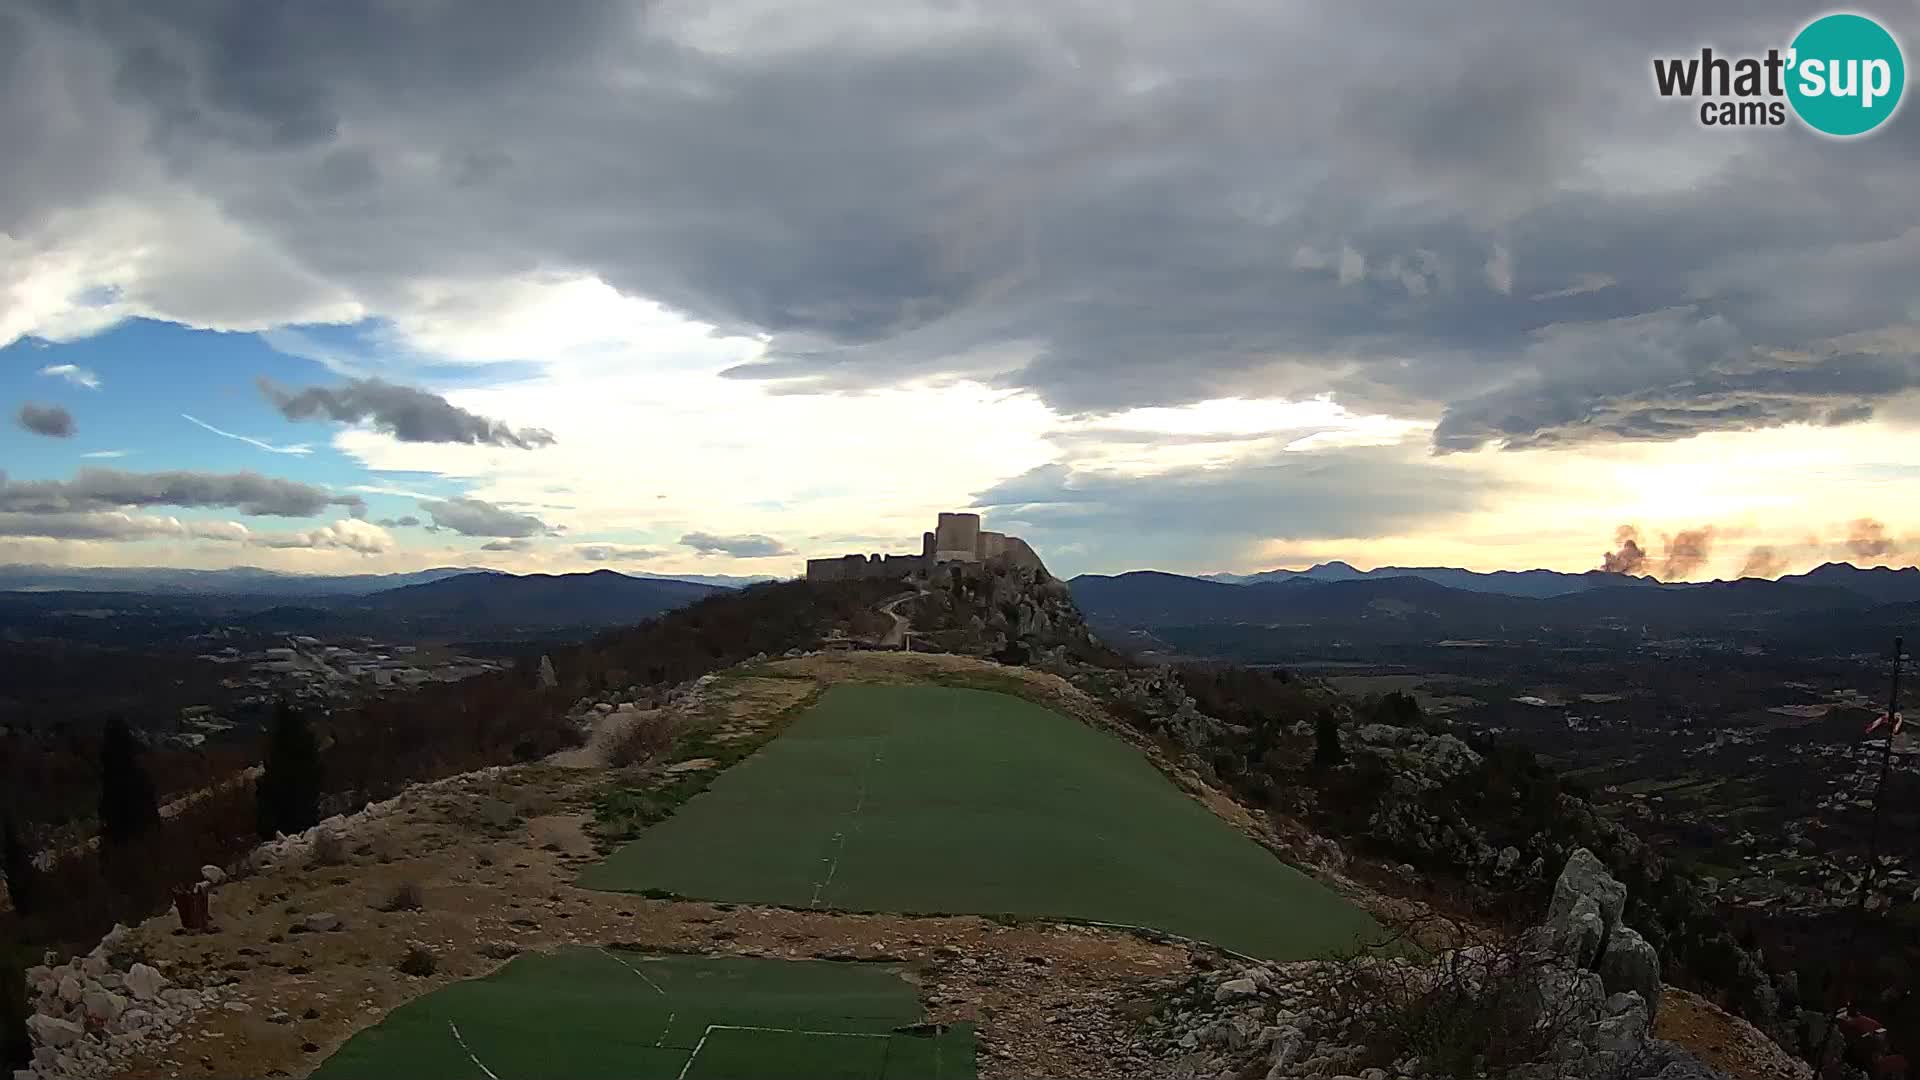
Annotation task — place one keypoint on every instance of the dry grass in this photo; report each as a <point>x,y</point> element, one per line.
<point>646,738</point>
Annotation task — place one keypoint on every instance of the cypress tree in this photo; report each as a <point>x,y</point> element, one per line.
<point>1326,740</point>
<point>128,805</point>
<point>16,1047</point>
<point>23,878</point>
<point>287,798</point>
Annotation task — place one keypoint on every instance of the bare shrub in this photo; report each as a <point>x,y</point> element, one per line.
<point>419,962</point>
<point>407,896</point>
<point>645,739</point>
<point>1474,1011</point>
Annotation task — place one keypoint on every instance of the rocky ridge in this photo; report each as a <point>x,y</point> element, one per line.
<point>1589,986</point>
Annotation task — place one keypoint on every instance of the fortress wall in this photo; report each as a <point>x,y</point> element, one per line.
<point>862,567</point>
<point>992,544</point>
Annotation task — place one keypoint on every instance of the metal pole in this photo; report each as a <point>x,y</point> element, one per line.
<point>1886,762</point>
<point>1852,962</point>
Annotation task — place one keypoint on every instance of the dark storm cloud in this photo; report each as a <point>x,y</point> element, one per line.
<point>740,547</point>
<point>1201,518</point>
<point>406,413</point>
<point>1110,205</point>
<point>477,517</point>
<point>111,489</point>
<point>114,527</point>
<point>50,420</point>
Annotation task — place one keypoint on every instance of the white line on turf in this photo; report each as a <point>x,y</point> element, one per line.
<point>636,971</point>
<point>470,1056</point>
<point>668,1029</point>
<point>711,1028</point>
<point>840,838</point>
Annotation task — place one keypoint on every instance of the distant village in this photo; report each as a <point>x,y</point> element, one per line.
<point>1787,867</point>
<point>308,669</point>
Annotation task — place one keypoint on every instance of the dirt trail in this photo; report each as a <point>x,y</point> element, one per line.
<point>896,636</point>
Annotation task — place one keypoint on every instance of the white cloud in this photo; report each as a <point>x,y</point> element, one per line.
<point>1582,284</point>
<point>346,534</point>
<point>652,443</point>
<point>1353,265</point>
<point>1500,269</point>
<point>74,374</point>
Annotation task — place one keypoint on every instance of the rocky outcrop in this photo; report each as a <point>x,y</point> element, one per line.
<point>92,1012</point>
<point>1585,979</point>
<point>1006,608</point>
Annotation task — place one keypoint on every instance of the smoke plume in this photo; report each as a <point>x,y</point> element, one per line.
<point>1763,562</point>
<point>1631,557</point>
<point>1867,538</point>
<point>1686,552</point>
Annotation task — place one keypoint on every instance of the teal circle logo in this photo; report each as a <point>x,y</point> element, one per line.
<point>1845,74</point>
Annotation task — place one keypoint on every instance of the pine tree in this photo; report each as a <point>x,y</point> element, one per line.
<point>23,878</point>
<point>287,798</point>
<point>128,805</point>
<point>1326,741</point>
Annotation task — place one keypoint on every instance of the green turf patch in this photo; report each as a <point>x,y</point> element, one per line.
<point>596,1014</point>
<point>928,800</point>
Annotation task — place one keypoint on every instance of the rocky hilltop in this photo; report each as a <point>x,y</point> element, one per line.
<point>1574,998</point>
<point>1375,791</point>
<point>1517,910</point>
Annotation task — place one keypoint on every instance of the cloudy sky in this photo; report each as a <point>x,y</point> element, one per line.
<point>715,286</point>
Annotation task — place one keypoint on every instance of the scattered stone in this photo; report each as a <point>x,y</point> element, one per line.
<point>1236,990</point>
<point>104,1005</point>
<point>321,923</point>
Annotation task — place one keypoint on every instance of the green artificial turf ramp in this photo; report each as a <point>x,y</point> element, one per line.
<point>920,799</point>
<point>593,1014</point>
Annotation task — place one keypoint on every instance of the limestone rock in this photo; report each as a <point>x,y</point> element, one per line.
<point>1236,990</point>
<point>1580,934</point>
<point>71,989</point>
<point>144,982</point>
<point>48,1031</point>
<point>1586,875</point>
<point>212,875</point>
<point>104,1006</point>
<point>1630,964</point>
<point>321,922</point>
<point>1509,857</point>
<point>1445,757</point>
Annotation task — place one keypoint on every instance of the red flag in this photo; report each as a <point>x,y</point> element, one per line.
<point>1881,721</point>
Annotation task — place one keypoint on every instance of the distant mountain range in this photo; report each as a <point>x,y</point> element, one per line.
<point>1427,605</point>
<point>480,605</point>
<point>253,581</point>
<point>1878,583</point>
<point>534,601</point>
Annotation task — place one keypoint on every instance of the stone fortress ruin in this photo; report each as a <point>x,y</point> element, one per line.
<point>957,538</point>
